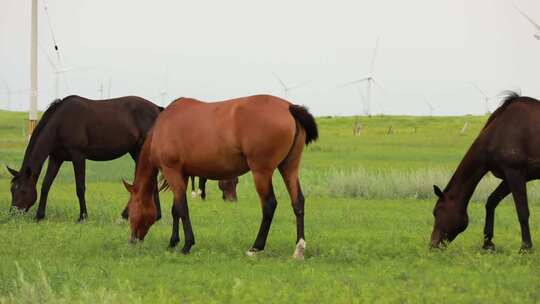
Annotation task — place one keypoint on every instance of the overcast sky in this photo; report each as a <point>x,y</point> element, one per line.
<point>215,50</point>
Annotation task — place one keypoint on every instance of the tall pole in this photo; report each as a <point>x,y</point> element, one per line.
<point>32,115</point>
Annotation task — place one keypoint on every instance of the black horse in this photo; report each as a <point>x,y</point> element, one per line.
<point>227,187</point>
<point>509,147</point>
<point>75,129</point>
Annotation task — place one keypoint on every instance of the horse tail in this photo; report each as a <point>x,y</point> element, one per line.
<point>162,182</point>
<point>306,120</point>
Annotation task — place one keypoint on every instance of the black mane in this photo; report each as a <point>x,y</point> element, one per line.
<point>508,97</point>
<point>45,118</point>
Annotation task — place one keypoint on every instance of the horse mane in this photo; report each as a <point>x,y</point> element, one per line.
<point>45,118</point>
<point>508,97</point>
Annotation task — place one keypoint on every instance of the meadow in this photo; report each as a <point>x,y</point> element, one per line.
<point>368,221</point>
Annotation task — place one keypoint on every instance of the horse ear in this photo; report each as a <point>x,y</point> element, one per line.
<point>437,191</point>
<point>129,187</point>
<point>12,171</point>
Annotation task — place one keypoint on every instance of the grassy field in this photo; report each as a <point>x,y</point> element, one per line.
<point>368,221</point>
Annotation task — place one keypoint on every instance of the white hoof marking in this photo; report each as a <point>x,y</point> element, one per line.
<point>299,250</point>
<point>251,253</point>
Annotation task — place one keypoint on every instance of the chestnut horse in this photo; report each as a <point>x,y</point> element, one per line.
<point>258,133</point>
<point>509,147</point>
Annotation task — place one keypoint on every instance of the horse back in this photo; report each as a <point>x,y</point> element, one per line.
<point>513,136</point>
<point>104,129</point>
<point>227,134</point>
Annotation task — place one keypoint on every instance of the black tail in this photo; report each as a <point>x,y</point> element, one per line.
<point>306,120</point>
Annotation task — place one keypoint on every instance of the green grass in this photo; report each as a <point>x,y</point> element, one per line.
<point>368,221</point>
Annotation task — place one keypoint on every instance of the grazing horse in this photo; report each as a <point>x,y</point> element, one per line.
<point>75,129</point>
<point>227,187</point>
<point>259,133</point>
<point>509,147</point>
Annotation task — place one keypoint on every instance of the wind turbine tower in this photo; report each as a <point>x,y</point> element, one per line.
<point>485,98</point>
<point>369,81</point>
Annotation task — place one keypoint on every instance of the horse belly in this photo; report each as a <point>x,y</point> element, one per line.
<point>223,167</point>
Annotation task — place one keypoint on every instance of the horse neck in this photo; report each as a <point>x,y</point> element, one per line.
<point>37,151</point>
<point>467,176</point>
<point>146,172</point>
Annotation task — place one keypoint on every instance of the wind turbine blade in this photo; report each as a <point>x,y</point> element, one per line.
<point>378,84</point>
<point>526,17</point>
<point>61,71</point>
<point>372,67</point>
<point>280,81</point>
<point>51,63</point>
<point>354,82</point>
<point>299,85</point>
<point>479,90</point>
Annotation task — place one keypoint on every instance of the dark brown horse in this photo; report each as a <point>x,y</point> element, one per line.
<point>509,147</point>
<point>258,133</point>
<point>75,129</point>
<point>227,187</point>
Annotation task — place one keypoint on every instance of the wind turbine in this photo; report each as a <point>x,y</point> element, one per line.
<point>286,88</point>
<point>536,25</point>
<point>430,106</point>
<point>58,72</point>
<point>370,82</point>
<point>484,95</point>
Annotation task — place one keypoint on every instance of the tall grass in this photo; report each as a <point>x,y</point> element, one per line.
<point>37,289</point>
<point>400,184</point>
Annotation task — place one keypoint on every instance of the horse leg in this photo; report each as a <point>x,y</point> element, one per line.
<point>52,171</point>
<point>202,187</point>
<point>193,193</point>
<point>493,201</point>
<point>292,182</point>
<point>179,210</point>
<point>516,181</point>
<point>263,184</point>
<point>79,166</point>
<point>156,200</point>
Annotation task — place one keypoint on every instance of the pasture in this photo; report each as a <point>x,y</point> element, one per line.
<point>368,221</point>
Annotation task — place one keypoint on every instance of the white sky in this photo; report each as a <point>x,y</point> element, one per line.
<point>214,50</point>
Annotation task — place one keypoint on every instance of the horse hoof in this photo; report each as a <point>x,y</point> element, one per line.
<point>299,250</point>
<point>173,243</point>
<point>525,249</point>
<point>185,251</point>
<point>39,217</point>
<point>253,252</point>
<point>193,194</point>
<point>134,241</point>
<point>82,219</point>
<point>488,245</point>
